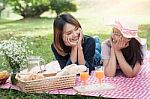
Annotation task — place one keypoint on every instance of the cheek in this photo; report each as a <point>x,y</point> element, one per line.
<point>65,38</point>
<point>70,37</point>
<point>78,35</point>
<point>75,35</point>
<point>113,37</point>
<point>127,42</point>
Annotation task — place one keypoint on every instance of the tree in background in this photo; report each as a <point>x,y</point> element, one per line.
<point>3,4</point>
<point>30,8</point>
<point>60,6</point>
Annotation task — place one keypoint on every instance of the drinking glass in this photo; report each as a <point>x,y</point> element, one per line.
<point>99,73</point>
<point>84,76</point>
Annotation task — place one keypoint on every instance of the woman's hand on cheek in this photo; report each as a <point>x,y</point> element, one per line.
<point>124,43</point>
<point>121,43</point>
<point>71,43</point>
<point>68,42</point>
<point>65,39</point>
<point>112,41</point>
<point>117,45</point>
<point>80,36</point>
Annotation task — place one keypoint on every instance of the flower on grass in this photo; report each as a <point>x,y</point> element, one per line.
<point>15,51</point>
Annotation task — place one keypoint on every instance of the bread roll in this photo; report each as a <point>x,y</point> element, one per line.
<point>29,77</point>
<point>49,74</point>
<point>77,69</point>
<point>63,73</point>
<point>72,69</point>
<point>4,74</point>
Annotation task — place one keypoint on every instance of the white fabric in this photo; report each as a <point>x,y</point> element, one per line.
<point>72,69</point>
<point>50,67</point>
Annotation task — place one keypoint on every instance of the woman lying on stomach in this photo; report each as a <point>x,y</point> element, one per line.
<point>124,51</point>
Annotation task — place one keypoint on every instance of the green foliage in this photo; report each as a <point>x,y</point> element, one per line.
<point>145,33</point>
<point>2,5</point>
<point>30,8</point>
<point>60,6</point>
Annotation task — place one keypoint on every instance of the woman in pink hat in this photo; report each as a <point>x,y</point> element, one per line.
<point>124,51</point>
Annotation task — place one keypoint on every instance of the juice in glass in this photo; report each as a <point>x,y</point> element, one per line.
<point>84,76</point>
<point>99,75</point>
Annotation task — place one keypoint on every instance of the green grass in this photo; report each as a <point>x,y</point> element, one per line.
<point>26,27</point>
<point>13,94</point>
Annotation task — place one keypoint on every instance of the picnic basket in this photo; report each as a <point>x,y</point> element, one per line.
<point>46,84</point>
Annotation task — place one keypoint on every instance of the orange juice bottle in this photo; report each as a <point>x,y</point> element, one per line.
<point>84,76</point>
<point>99,75</point>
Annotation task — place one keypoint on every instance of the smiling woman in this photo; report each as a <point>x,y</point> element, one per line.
<point>70,46</point>
<point>125,50</point>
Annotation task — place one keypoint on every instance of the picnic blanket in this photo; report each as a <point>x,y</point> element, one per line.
<point>136,87</point>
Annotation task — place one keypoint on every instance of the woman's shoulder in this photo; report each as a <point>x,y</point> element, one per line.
<point>53,47</point>
<point>88,39</point>
<point>106,43</point>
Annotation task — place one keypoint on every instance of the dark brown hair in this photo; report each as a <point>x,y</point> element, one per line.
<point>133,52</point>
<point>58,26</point>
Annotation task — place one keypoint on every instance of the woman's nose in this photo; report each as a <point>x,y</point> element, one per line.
<point>75,33</point>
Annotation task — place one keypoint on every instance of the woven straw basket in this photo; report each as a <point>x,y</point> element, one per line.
<point>46,84</point>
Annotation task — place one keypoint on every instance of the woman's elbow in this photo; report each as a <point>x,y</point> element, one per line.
<point>130,75</point>
<point>109,74</point>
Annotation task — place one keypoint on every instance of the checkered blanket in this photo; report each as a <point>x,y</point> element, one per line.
<point>137,87</point>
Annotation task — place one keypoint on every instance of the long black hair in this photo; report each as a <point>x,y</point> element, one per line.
<point>133,52</point>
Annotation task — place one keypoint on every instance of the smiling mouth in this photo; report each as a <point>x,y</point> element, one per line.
<point>75,40</point>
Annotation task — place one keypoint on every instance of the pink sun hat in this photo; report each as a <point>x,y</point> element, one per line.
<point>129,28</point>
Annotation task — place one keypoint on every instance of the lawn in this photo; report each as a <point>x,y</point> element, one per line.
<point>13,94</point>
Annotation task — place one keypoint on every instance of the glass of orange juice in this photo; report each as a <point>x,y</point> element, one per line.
<point>84,76</point>
<point>99,74</point>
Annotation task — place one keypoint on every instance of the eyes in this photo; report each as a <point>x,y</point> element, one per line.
<point>71,31</point>
<point>117,34</point>
<point>120,35</point>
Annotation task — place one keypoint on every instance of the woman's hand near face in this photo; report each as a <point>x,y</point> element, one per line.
<point>120,44</point>
<point>68,42</point>
<point>81,59</point>
<point>112,41</point>
<point>110,64</point>
<point>80,37</point>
